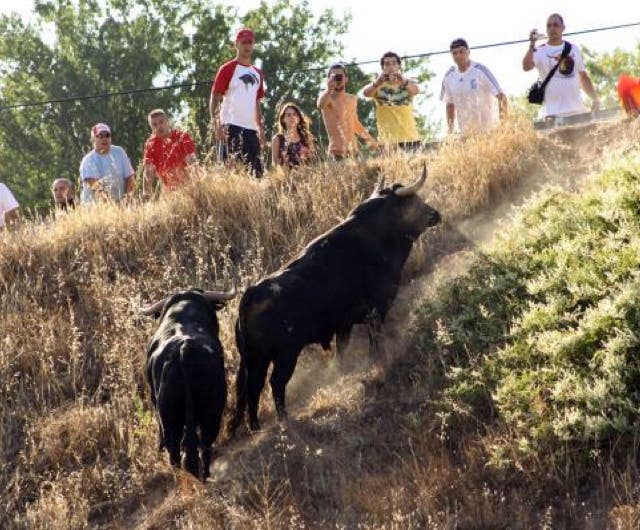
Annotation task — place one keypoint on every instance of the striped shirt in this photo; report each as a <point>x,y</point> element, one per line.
<point>473,94</point>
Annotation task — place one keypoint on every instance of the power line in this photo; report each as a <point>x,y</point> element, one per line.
<point>134,91</point>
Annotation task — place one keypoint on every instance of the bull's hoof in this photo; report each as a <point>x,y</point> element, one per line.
<point>232,428</point>
<point>254,425</point>
<point>283,417</point>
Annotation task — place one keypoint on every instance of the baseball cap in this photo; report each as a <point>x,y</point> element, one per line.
<point>245,34</point>
<point>100,128</point>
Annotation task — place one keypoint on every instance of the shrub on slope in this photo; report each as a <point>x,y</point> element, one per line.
<point>544,330</point>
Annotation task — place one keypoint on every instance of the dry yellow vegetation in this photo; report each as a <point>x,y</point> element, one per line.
<point>77,438</point>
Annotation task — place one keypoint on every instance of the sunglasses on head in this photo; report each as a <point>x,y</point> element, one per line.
<point>104,135</point>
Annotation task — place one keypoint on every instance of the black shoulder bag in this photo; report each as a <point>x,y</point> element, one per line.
<point>536,91</point>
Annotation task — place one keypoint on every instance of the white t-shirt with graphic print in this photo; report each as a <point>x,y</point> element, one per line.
<point>242,86</point>
<point>473,94</point>
<point>562,96</point>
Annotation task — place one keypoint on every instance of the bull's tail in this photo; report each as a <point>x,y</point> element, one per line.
<point>241,380</point>
<point>192,459</point>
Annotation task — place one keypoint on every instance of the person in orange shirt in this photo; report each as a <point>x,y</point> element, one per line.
<point>629,93</point>
<point>340,116</point>
<point>169,154</point>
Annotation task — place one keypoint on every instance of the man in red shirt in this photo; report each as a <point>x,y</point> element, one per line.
<point>169,154</point>
<point>235,106</point>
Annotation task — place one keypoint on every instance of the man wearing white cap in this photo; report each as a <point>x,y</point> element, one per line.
<point>106,171</point>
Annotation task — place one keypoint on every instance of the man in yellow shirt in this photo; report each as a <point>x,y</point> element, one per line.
<point>393,95</point>
<point>340,116</point>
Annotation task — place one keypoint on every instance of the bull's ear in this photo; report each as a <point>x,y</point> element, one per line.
<point>154,309</point>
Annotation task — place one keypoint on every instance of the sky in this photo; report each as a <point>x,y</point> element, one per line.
<point>413,27</point>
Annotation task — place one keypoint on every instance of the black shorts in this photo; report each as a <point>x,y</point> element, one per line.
<point>243,144</point>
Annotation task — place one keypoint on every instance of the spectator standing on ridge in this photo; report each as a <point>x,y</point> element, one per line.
<point>293,145</point>
<point>235,106</point>
<point>562,95</point>
<point>9,216</point>
<point>468,89</point>
<point>393,95</point>
<point>169,153</point>
<point>105,171</point>
<point>63,192</point>
<point>340,115</point>
<point>629,93</point>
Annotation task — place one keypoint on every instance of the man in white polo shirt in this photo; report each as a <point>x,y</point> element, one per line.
<point>562,95</point>
<point>235,106</point>
<point>469,90</point>
<point>9,216</point>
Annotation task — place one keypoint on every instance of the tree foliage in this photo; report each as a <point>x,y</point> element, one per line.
<point>87,48</point>
<point>605,68</point>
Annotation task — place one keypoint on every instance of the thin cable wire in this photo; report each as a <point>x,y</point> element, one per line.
<point>283,72</point>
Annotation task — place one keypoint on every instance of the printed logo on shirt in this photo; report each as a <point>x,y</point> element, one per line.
<point>474,84</point>
<point>393,96</point>
<point>566,68</point>
<point>249,79</point>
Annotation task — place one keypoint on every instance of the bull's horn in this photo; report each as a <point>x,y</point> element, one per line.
<point>220,296</point>
<point>380,185</point>
<point>405,191</point>
<point>153,308</point>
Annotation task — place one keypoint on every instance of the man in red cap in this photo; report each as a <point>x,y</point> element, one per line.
<point>235,106</point>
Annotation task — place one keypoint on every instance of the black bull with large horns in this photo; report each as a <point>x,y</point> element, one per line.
<point>349,275</point>
<point>185,372</point>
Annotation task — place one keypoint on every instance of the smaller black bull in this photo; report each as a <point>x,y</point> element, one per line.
<point>349,275</point>
<point>185,372</point>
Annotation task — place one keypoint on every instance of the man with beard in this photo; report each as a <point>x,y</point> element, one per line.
<point>105,171</point>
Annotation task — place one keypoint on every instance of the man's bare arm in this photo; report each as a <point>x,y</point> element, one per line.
<point>214,110</point>
<point>587,86</point>
<point>148,180</point>
<point>451,117</point>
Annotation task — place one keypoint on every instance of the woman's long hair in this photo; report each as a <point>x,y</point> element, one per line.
<point>303,123</point>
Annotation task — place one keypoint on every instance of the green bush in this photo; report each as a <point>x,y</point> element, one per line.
<point>542,333</point>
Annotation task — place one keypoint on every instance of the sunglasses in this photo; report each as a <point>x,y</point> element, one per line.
<point>104,135</point>
<point>552,24</point>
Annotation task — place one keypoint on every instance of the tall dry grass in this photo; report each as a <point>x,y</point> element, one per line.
<point>77,438</point>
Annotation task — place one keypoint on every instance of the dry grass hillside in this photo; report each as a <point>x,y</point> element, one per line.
<point>77,439</point>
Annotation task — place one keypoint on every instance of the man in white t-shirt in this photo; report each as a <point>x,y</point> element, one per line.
<point>9,216</point>
<point>235,106</point>
<point>105,172</point>
<point>562,95</point>
<point>470,89</point>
